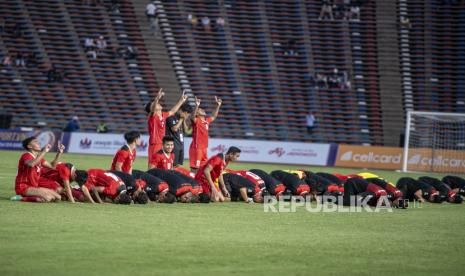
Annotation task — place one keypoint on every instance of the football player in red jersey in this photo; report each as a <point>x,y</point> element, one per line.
<point>212,171</point>
<point>157,121</point>
<point>29,169</point>
<point>125,156</point>
<point>59,179</point>
<point>102,182</point>
<point>164,158</point>
<point>200,125</point>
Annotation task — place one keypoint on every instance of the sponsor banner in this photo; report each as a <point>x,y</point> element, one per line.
<point>11,139</point>
<point>436,160</point>
<point>102,143</point>
<point>270,151</point>
<point>389,158</point>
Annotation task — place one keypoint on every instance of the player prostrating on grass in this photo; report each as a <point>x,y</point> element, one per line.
<point>200,126</point>
<point>212,171</point>
<point>157,121</point>
<point>125,156</point>
<point>241,188</point>
<point>164,158</point>
<point>59,179</point>
<point>102,182</point>
<point>29,169</point>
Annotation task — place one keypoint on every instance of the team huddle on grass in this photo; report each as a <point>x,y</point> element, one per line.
<point>209,180</point>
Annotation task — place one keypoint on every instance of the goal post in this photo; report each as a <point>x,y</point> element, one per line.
<point>434,142</point>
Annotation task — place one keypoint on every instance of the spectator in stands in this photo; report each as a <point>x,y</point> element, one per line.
<point>405,22</point>
<point>220,23</point>
<point>310,122</point>
<point>19,60</point>
<point>206,24</point>
<point>193,21</point>
<point>102,127</point>
<point>321,81</point>
<point>114,6</point>
<point>7,62</point>
<point>131,52</point>
<point>291,48</point>
<point>72,125</point>
<point>89,46</point>
<point>326,10</point>
<point>54,74</point>
<point>354,12</point>
<point>151,11</point>
<point>334,79</point>
<point>101,43</point>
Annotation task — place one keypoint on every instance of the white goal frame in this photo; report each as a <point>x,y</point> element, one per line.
<point>408,127</point>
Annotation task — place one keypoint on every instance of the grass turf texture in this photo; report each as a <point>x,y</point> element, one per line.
<point>233,238</point>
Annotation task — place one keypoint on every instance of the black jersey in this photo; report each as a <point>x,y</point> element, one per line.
<point>440,186</point>
<point>174,181</point>
<point>291,181</point>
<point>409,186</point>
<point>455,182</point>
<point>270,182</point>
<point>317,183</point>
<point>152,183</point>
<point>234,183</point>
<point>128,180</point>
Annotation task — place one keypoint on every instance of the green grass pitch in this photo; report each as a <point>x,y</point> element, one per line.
<point>219,239</point>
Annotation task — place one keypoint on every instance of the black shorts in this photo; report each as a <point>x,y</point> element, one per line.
<point>178,155</point>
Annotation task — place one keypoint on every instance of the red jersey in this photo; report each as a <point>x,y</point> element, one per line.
<point>162,161</point>
<point>61,173</point>
<point>185,172</point>
<point>28,175</point>
<point>200,132</point>
<point>252,177</point>
<point>101,178</point>
<point>157,126</point>
<point>217,163</point>
<point>125,156</point>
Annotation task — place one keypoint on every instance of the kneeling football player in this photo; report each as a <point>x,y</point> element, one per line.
<point>104,183</point>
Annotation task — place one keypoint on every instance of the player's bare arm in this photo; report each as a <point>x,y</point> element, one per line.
<point>419,197</point>
<point>96,192</point>
<point>206,171</point>
<point>68,192</point>
<point>40,156</point>
<point>178,104</point>
<point>222,186</point>
<point>60,150</point>
<point>196,109</point>
<point>87,195</point>
<point>159,95</point>
<point>219,102</point>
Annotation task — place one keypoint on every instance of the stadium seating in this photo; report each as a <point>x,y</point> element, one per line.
<point>263,63</point>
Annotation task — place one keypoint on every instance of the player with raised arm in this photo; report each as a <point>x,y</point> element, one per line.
<point>164,158</point>
<point>29,169</point>
<point>176,127</point>
<point>157,121</point>
<point>212,171</point>
<point>126,155</point>
<point>200,126</point>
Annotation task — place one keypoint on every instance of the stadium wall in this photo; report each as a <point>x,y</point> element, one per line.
<point>370,157</point>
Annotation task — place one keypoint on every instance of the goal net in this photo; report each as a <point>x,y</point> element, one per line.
<point>434,142</point>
